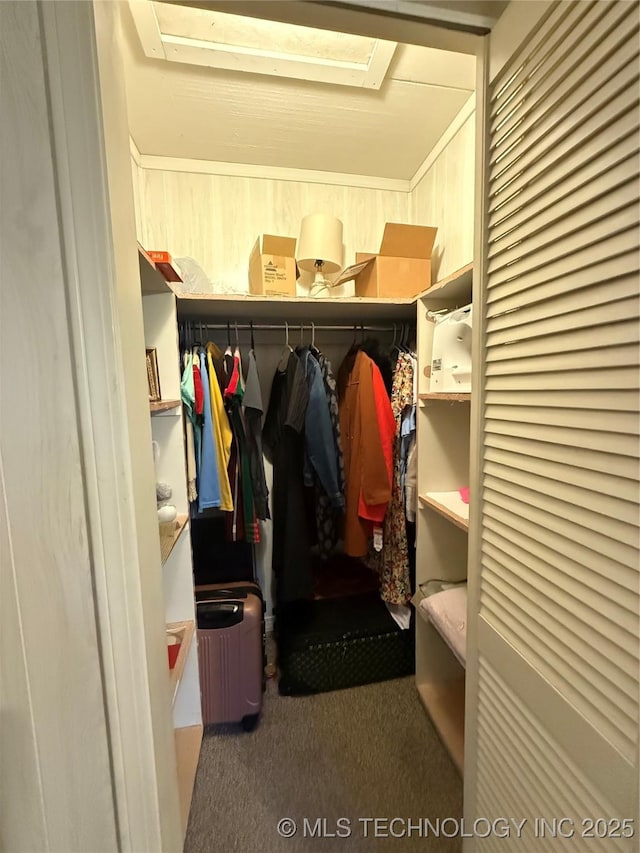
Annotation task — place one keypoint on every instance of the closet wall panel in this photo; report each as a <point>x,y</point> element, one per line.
<point>444,197</point>
<point>216,218</point>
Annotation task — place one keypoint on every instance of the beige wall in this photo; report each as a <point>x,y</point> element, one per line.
<point>216,218</point>
<point>444,197</point>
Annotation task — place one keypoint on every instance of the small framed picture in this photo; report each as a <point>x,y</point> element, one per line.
<point>153,377</point>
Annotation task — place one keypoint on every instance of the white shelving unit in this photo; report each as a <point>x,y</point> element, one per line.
<point>183,683</point>
<point>443,517</point>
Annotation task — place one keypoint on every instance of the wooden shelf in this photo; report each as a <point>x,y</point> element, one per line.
<point>457,287</point>
<point>160,406</point>
<point>444,702</point>
<point>151,279</point>
<point>446,395</point>
<point>185,631</point>
<point>448,504</point>
<point>340,310</point>
<point>166,543</point>
<point>446,610</point>
<point>188,741</point>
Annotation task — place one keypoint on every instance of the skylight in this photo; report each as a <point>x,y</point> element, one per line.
<point>235,43</point>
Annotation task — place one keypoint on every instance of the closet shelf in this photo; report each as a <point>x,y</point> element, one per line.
<point>187,740</point>
<point>448,504</point>
<point>151,279</point>
<point>444,702</point>
<point>243,306</point>
<point>161,406</point>
<point>184,631</point>
<point>456,287</point>
<point>447,612</point>
<point>167,542</point>
<point>446,395</point>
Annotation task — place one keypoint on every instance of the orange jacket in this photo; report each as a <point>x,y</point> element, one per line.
<point>363,416</point>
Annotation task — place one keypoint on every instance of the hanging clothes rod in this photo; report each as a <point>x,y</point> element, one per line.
<point>280,327</point>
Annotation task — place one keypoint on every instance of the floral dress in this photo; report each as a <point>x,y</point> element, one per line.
<point>392,563</point>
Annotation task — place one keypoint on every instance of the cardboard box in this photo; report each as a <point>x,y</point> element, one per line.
<point>272,266</point>
<point>402,267</point>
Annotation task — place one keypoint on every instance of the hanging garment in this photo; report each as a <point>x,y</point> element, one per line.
<point>197,386</point>
<point>320,451</point>
<point>253,412</point>
<point>328,519</point>
<point>209,482</point>
<point>235,374</point>
<point>410,484</point>
<point>222,433</point>
<point>366,472</point>
<point>387,430</point>
<point>243,499</point>
<point>198,419</point>
<point>188,398</point>
<point>408,424</point>
<point>392,563</point>
<point>284,447</point>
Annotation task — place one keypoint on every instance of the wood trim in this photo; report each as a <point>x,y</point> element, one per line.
<point>135,153</point>
<point>156,408</point>
<point>167,544</point>
<point>459,277</point>
<point>338,310</point>
<point>188,741</point>
<point>431,502</point>
<point>272,173</point>
<point>77,35</point>
<point>345,19</point>
<point>463,115</point>
<point>452,398</point>
<point>445,704</point>
<point>146,23</point>
<point>175,675</point>
<point>476,425</point>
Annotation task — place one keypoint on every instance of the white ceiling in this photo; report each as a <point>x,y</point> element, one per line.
<point>190,111</point>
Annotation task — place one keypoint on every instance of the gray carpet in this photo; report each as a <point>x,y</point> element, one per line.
<point>366,752</point>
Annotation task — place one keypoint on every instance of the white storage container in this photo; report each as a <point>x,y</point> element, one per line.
<point>451,354</point>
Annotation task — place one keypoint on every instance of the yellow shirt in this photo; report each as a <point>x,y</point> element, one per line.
<point>222,434</point>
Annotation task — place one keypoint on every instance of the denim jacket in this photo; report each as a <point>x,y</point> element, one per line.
<point>320,450</point>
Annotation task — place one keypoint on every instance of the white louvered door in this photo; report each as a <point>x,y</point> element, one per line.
<point>552,673</point>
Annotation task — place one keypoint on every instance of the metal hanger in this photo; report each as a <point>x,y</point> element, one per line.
<point>253,343</point>
<point>286,352</point>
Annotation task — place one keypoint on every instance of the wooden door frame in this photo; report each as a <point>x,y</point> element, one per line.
<point>140,736</point>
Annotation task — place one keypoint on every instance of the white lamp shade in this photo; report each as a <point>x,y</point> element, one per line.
<point>320,240</point>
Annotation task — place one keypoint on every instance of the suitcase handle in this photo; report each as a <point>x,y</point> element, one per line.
<point>211,595</point>
<point>219,614</point>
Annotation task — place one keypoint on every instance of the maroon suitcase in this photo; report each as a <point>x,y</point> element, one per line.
<point>231,652</point>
